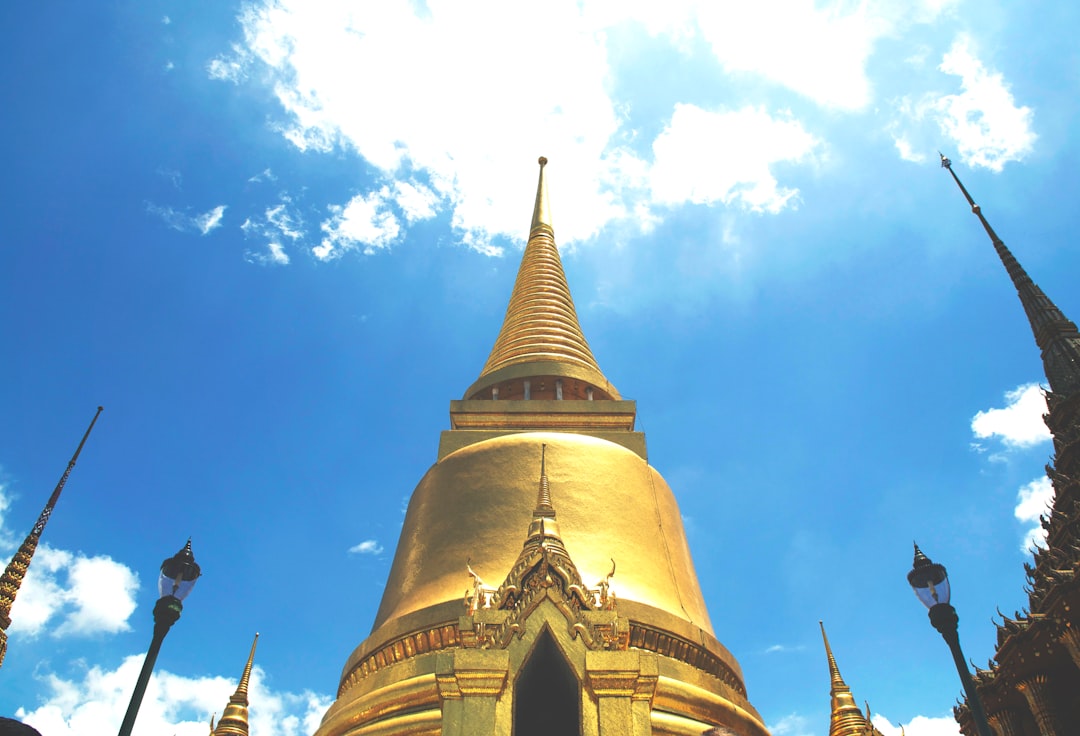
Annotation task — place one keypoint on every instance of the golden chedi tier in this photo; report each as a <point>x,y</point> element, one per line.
<point>572,609</point>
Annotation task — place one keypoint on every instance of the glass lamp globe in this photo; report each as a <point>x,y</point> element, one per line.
<point>928,580</point>
<point>178,574</point>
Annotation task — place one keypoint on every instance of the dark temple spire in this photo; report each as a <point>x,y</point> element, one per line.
<point>1055,334</point>
<point>13,575</point>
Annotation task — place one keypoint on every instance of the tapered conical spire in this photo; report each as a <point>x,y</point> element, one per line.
<point>541,341</point>
<point>1055,334</point>
<point>544,529</point>
<point>234,721</point>
<point>11,580</point>
<point>846,719</point>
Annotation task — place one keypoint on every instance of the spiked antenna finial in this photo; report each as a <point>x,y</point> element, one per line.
<point>836,681</point>
<point>242,688</point>
<point>542,209</point>
<point>11,580</point>
<point>1055,334</point>
<point>543,498</point>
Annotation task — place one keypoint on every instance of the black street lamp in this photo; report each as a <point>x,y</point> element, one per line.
<point>931,585</point>
<point>178,575</point>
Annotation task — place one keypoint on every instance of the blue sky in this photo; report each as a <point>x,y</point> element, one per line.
<point>275,240</point>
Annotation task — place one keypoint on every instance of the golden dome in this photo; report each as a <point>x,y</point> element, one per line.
<point>476,502</point>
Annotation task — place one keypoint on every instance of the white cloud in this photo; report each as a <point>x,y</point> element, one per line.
<point>210,220</point>
<point>984,120</point>
<point>918,726</point>
<point>1020,423</point>
<point>365,222</point>
<point>457,136</point>
<point>180,220</point>
<point>1033,500</point>
<point>264,175</point>
<point>706,157</point>
<point>68,593</point>
<point>816,49</point>
<point>231,68</point>
<point>173,704</point>
<point>781,648</point>
<point>367,547</point>
<point>277,222</point>
<point>415,200</point>
<point>907,153</point>
<point>792,725</point>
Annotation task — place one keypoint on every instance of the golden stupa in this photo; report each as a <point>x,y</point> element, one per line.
<point>542,583</point>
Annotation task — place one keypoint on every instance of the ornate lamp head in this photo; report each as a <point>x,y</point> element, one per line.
<point>178,574</point>
<point>928,580</point>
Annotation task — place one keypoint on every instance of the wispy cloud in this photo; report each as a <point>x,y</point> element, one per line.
<point>181,220</point>
<point>792,725</point>
<point>367,547</point>
<point>264,175</point>
<point>277,224</point>
<point>174,177</point>
<point>781,648</point>
<point>1020,423</point>
<point>93,704</point>
<point>1033,500</point>
<point>230,68</point>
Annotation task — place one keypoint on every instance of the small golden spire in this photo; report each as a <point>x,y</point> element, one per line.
<point>544,529</point>
<point>543,499</point>
<point>846,718</point>
<point>12,579</point>
<point>234,720</point>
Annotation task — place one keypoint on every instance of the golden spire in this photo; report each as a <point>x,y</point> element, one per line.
<point>234,720</point>
<point>540,336</point>
<point>846,719</point>
<point>11,580</point>
<point>544,529</point>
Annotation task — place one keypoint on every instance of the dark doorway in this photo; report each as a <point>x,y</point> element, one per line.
<point>547,697</point>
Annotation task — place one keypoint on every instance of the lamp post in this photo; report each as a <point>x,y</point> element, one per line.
<point>931,585</point>
<point>178,575</point>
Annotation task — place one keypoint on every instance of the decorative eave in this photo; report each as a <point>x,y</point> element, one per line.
<point>545,571</point>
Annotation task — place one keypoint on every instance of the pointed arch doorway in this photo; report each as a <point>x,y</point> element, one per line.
<point>547,694</point>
